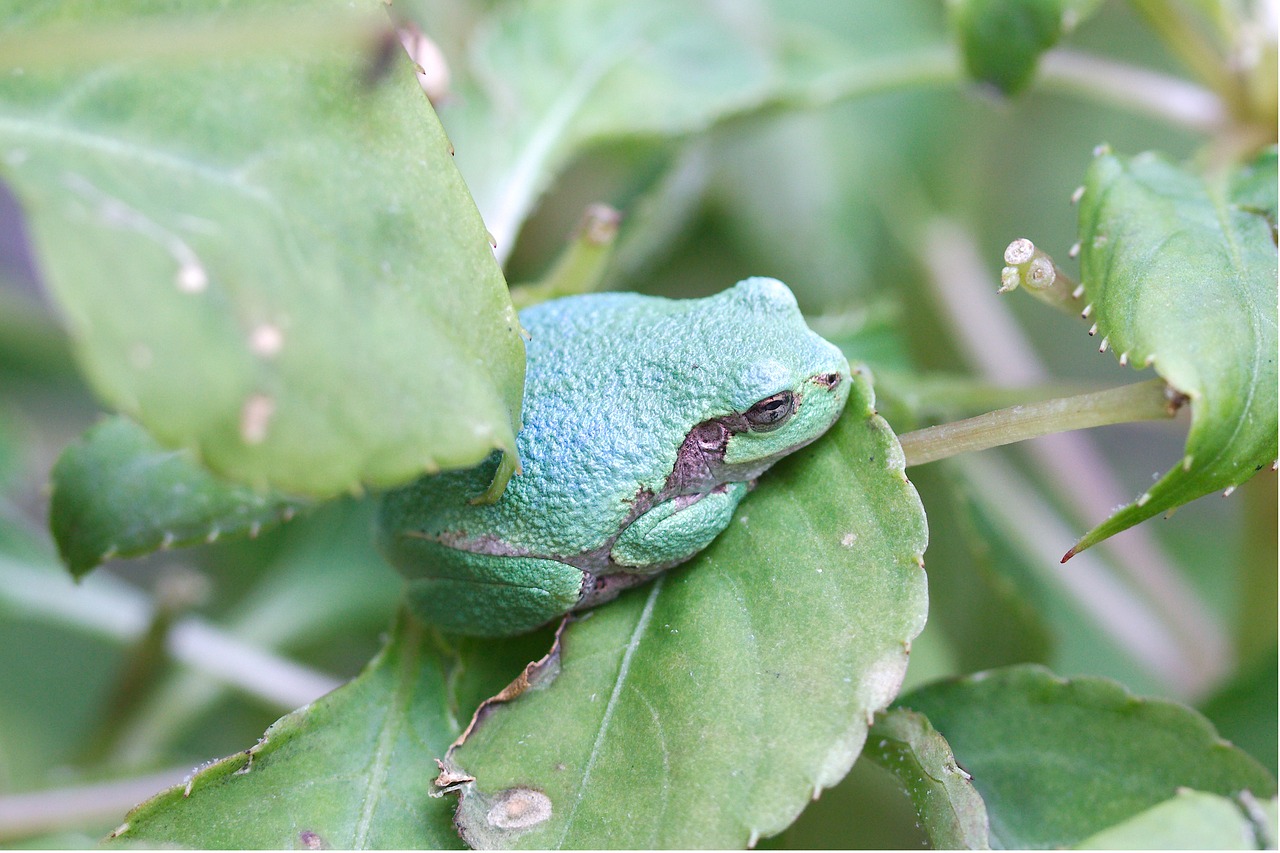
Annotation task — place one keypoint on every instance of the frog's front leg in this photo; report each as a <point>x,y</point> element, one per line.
<point>676,529</point>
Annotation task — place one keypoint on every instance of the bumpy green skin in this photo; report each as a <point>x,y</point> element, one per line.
<point>635,452</point>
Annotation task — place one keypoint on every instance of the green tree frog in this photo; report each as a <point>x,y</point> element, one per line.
<point>646,421</point>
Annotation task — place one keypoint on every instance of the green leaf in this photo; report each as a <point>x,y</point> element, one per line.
<point>1002,40</point>
<point>536,83</point>
<point>1058,760</point>
<point>542,79</point>
<point>1190,820</point>
<point>352,770</point>
<point>948,806</point>
<point>117,493</point>
<point>708,707</point>
<point>262,249</point>
<point>1180,269</point>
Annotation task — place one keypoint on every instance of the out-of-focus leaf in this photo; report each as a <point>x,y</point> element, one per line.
<point>117,493</point>
<point>1002,39</point>
<point>1180,269</point>
<point>291,591</point>
<point>263,250</point>
<point>989,582</point>
<point>352,770</point>
<point>535,83</point>
<point>1245,710</point>
<point>948,806</point>
<point>1190,820</point>
<point>1058,760</point>
<point>708,707</point>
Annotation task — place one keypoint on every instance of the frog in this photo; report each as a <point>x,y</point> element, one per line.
<point>646,421</point>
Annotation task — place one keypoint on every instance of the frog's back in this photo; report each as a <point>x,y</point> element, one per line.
<point>614,384</point>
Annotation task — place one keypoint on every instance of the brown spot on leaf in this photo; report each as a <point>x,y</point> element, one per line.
<point>519,808</point>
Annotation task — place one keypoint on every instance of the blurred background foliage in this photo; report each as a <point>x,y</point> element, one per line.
<point>888,216</point>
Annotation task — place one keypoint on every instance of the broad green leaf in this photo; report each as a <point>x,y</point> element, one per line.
<point>946,802</point>
<point>117,493</point>
<point>1002,40</point>
<point>352,770</point>
<point>262,250</point>
<point>1180,269</point>
<point>535,83</point>
<point>707,708</point>
<point>1190,820</point>
<point>1058,760</point>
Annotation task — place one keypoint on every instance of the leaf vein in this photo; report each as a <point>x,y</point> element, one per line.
<point>633,642</point>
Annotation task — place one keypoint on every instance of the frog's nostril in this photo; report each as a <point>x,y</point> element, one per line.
<point>828,380</point>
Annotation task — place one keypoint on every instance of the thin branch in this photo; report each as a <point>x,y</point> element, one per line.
<point>1143,633</point>
<point>110,608</point>
<point>1185,41</point>
<point>87,806</point>
<point>1162,96</point>
<point>1140,401</point>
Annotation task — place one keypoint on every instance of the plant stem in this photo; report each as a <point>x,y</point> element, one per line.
<point>79,806</point>
<point>1131,87</point>
<point>145,662</point>
<point>1185,41</point>
<point>581,265</point>
<point>1140,401</point>
<point>106,607</point>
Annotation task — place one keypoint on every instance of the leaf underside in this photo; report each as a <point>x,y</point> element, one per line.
<point>258,250</point>
<point>1181,272</point>
<point>949,808</point>
<point>117,493</point>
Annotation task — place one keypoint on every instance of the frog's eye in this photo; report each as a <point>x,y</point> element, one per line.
<point>770,412</point>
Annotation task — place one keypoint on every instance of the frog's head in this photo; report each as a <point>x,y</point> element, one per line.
<point>783,387</point>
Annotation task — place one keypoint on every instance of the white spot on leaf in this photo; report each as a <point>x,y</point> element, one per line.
<point>255,417</point>
<point>266,340</point>
<point>191,277</point>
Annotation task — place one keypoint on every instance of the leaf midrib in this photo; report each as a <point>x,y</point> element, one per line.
<point>376,784</point>
<point>633,643</point>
